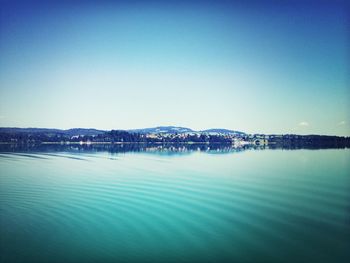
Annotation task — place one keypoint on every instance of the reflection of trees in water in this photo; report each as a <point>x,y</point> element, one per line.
<point>167,148</point>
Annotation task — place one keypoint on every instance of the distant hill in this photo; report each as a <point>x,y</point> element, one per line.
<point>94,132</point>
<point>69,132</point>
<point>175,129</point>
<point>162,129</point>
<point>29,130</point>
<point>222,131</point>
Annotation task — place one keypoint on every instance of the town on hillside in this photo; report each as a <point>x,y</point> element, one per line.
<point>161,135</point>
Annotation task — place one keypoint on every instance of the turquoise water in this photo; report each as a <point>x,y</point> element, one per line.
<point>161,206</point>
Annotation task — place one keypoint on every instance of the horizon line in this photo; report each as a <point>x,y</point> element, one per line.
<point>107,130</point>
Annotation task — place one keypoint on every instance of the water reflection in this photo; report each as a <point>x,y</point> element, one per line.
<point>166,148</point>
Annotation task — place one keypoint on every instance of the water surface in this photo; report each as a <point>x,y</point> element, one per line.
<point>174,205</point>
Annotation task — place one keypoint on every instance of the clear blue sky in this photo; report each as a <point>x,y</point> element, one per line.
<point>262,66</point>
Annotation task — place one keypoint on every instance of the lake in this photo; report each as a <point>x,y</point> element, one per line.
<point>174,204</point>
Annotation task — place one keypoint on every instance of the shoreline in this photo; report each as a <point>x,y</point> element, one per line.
<point>89,143</point>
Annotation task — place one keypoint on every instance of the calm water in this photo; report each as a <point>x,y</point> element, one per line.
<point>175,206</point>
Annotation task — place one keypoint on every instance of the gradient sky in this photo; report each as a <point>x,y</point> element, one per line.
<point>266,66</point>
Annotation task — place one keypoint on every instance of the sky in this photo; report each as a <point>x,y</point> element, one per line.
<point>253,66</point>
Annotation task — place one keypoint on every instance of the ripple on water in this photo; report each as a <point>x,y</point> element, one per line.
<point>155,209</point>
